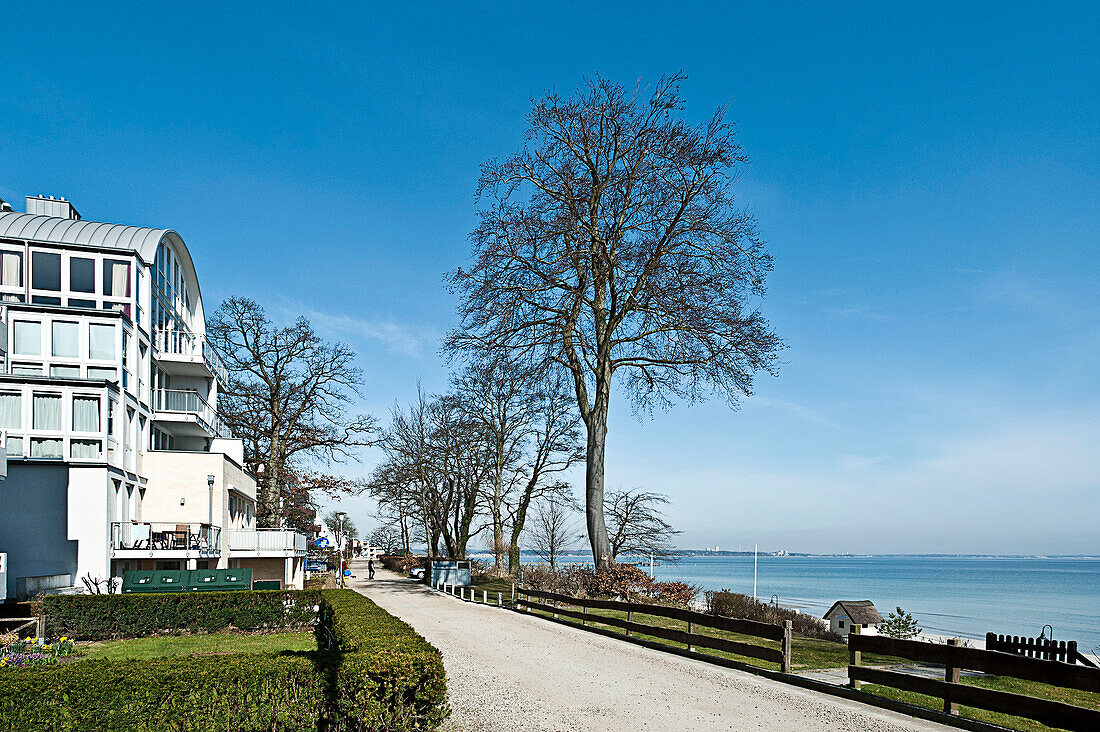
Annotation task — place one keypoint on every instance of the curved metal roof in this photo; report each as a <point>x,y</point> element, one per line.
<point>49,229</point>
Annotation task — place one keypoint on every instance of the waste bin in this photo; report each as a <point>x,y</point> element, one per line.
<point>159,580</point>
<point>267,585</point>
<point>451,573</point>
<point>220,580</point>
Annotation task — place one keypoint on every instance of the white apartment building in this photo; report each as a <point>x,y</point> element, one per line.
<point>116,457</point>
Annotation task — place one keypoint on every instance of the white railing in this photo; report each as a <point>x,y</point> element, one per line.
<point>143,535</point>
<point>182,343</point>
<point>179,401</point>
<point>267,540</point>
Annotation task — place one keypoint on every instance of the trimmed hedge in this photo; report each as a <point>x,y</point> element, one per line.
<point>389,677</point>
<point>374,673</point>
<point>103,617</point>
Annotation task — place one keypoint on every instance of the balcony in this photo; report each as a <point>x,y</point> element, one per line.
<point>266,543</point>
<point>187,413</point>
<point>141,540</point>
<point>186,354</point>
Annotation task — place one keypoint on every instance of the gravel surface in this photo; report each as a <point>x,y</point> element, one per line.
<point>507,671</point>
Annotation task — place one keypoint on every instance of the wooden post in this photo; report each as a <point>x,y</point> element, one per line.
<point>484,597</point>
<point>785,664</point>
<point>584,609</point>
<point>500,599</point>
<point>855,658</point>
<point>951,676</point>
<point>691,629</point>
<point>630,617</point>
<point>513,593</point>
<point>40,628</point>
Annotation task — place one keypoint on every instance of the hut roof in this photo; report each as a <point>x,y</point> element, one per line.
<point>859,611</point>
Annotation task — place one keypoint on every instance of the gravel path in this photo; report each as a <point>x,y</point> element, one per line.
<point>507,671</point>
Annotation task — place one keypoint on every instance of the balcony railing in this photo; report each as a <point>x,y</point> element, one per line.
<point>189,345</point>
<point>180,401</point>
<point>266,541</point>
<point>203,539</point>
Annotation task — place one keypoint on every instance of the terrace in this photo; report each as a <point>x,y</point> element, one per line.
<point>139,540</point>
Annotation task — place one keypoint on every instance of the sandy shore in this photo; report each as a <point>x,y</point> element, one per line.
<point>508,671</point>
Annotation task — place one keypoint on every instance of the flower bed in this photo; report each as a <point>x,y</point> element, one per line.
<point>26,652</point>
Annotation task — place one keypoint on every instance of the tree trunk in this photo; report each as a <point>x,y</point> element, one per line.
<point>593,485</point>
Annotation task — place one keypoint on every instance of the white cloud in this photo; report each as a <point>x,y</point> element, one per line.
<point>414,341</point>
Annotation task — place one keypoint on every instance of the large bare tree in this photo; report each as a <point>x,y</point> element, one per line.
<point>636,524</point>
<point>611,247</point>
<point>288,396</point>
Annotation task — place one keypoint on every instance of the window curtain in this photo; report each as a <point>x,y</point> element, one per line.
<point>11,411</point>
<point>85,448</point>
<point>47,412</point>
<point>101,342</point>
<point>120,278</point>
<point>14,447</point>
<point>85,414</point>
<point>11,269</point>
<point>48,448</point>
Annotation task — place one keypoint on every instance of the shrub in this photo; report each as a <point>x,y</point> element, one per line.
<point>100,617</point>
<point>900,624</point>
<point>674,593</point>
<point>375,673</point>
<point>737,605</point>
<point>389,677</point>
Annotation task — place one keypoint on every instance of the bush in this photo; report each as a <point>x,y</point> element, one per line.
<point>737,605</point>
<point>389,677</point>
<point>625,581</point>
<point>375,673</point>
<point>101,617</point>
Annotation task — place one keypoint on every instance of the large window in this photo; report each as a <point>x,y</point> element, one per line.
<point>28,338</point>
<point>116,278</point>
<point>11,411</point>
<point>81,274</point>
<point>46,271</point>
<point>85,414</point>
<point>65,372</point>
<point>47,412</point>
<point>11,269</point>
<point>101,342</point>
<point>47,447</point>
<point>66,339</point>
<point>96,372</point>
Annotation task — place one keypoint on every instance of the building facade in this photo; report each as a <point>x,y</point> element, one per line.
<point>116,456</point>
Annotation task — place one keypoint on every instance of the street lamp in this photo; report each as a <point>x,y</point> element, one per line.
<point>342,526</point>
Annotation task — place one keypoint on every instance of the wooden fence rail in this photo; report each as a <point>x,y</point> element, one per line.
<point>780,633</point>
<point>1045,648</point>
<point>999,663</point>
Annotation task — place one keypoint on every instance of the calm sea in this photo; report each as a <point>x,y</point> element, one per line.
<point>964,596</point>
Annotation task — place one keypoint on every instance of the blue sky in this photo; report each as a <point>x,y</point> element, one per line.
<point>928,179</point>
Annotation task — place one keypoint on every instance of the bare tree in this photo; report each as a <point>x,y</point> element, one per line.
<point>342,527</point>
<point>636,525</point>
<point>611,246</point>
<point>387,538</point>
<point>288,395</point>
<point>554,527</point>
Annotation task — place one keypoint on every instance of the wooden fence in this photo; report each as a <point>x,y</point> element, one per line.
<point>780,633</point>
<point>1050,650</point>
<point>955,658</point>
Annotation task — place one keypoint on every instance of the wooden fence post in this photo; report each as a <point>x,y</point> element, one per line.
<point>40,628</point>
<point>513,593</point>
<point>500,599</point>
<point>691,630</point>
<point>629,617</point>
<point>484,597</point>
<point>855,658</point>
<point>584,609</point>
<point>951,676</point>
<point>785,664</point>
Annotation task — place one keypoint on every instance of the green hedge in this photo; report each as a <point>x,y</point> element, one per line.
<point>101,617</point>
<point>388,677</point>
<point>374,673</point>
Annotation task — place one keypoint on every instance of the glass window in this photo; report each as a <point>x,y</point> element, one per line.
<point>101,342</point>
<point>28,338</point>
<point>6,297</point>
<point>88,304</point>
<point>46,271</point>
<point>85,449</point>
<point>26,369</point>
<point>47,411</point>
<point>85,414</point>
<point>65,372</point>
<point>43,300</point>
<point>66,339</point>
<point>11,269</point>
<point>11,411</point>
<point>15,447</point>
<point>81,274</point>
<point>95,372</point>
<point>116,278</point>
<point>46,448</point>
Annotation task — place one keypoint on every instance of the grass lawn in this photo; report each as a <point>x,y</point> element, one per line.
<point>187,645</point>
<point>493,585</point>
<point>1086,699</point>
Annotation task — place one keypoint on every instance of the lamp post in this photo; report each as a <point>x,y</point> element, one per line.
<point>342,524</point>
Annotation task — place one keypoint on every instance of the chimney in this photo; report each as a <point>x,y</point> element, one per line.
<point>5,207</point>
<point>50,206</point>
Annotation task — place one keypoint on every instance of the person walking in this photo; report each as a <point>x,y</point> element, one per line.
<point>370,568</point>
